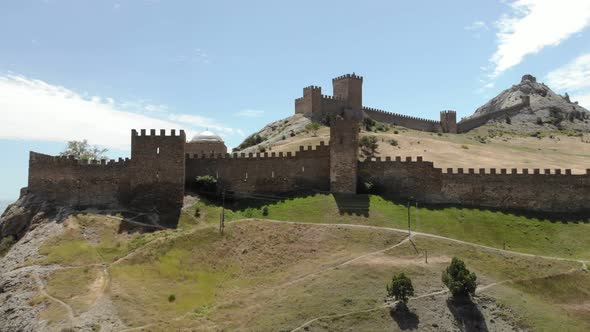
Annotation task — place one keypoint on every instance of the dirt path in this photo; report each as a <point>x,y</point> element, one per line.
<point>435,293</point>
<point>413,233</point>
<point>41,288</point>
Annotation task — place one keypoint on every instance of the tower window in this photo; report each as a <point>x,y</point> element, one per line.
<point>158,150</point>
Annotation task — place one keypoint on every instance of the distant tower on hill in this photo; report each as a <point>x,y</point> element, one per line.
<point>349,87</point>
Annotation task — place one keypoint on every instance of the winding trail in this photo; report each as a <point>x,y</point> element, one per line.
<point>413,233</point>
<point>41,288</point>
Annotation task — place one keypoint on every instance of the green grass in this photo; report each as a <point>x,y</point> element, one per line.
<point>491,228</point>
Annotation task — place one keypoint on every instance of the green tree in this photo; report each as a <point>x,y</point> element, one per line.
<point>313,128</point>
<point>458,279</point>
<point>83,150</point>
<point>400,288</point>
<point>206,184</point>
<point>368,145</point>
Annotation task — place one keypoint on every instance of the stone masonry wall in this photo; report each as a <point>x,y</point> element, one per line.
<point>403,120</point>
<point>547,190</point>
<point>200,148</point>
<point>152,179</point>
<point>303,171</point>
<point>344,142</point>
<point>78,183</point>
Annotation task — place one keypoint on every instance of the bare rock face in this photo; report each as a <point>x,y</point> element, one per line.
<point>22,215</point>
<point>546,107</point>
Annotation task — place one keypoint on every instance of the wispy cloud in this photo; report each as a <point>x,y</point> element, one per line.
<point>477,28</point>
<point>532,25</point>
<point>573,77</point>
<point>250,113</point>
<point>477,25</point>
<point>36,110</point>
<point>197,55</point>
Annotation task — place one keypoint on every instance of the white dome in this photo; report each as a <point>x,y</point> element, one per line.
<point>207,136</point>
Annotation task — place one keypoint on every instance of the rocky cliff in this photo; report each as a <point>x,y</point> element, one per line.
<point>547,108</point>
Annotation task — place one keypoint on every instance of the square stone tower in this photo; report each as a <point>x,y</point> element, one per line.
<point>157,171</point>
<point>349,87</point>
<point>344,141</point>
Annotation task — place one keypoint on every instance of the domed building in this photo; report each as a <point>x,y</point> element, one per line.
<point>207,143</point>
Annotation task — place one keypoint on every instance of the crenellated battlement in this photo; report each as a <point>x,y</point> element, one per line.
<point>513,171</point>
<point>313,88</point>
<point>161,133</point>
<point>332,98</point>
<point>39,158</point>
<point>398,115</point>
<point>348,76</point>
<point>322,148</point>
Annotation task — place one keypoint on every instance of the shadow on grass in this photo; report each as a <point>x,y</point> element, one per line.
<point>353,204</point>
<point>561,217</point>
<point>359,205</point>
<point>405,319</point>
<point>467,314</point>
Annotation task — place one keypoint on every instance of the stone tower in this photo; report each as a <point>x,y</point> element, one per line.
<point>157,170</point>
<point>349,87</point>
<point>344,140</point>
<point>448,121</point>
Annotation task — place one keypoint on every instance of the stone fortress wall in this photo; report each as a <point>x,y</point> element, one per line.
<point>347,94</point>
<point>153,179</point>
<point>526,189</point>
<point>160,168</point>
<point>303,171</point>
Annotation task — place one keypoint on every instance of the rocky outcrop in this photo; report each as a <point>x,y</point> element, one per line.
<point>546,107</point>
<point>24,214</point>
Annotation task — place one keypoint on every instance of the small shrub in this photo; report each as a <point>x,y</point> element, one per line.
<point>206,184</point>
<point>249,213</point>
<point>458,279</point>
<point>197,212</point>
<point>265,210</point>
<point>464,147</point>
<point>539,121</point>
<point>171,298</point>
<point>508,120</point>
<point>369,145</point>
<point>393,142</point>
<point>313,128</point>
<point>284,137</point>
<point>400,288</point>
<point>5,244</point>
<point>396,132</point>
<point>261,148</point>
<point>292,133</point>
<point>439,134</point>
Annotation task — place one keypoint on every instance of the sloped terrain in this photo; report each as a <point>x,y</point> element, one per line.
<point>546,108</point>
<point>93,273</point>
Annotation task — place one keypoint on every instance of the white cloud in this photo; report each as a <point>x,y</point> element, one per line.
<point>477,25</point>
<point>200,121</point>
<point>35,110</point>
<point>250,113</point>
<point>574,75</point>
<point>573,78</point>
<point>583,100</point>
<point>533,25</point>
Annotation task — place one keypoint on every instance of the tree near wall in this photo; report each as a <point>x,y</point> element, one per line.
<point>368,145</point>
<point>83,150</point>
<point>458,279</point>
<point>313,128</point>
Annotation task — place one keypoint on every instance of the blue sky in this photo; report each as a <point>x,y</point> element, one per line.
<point>96,69</point>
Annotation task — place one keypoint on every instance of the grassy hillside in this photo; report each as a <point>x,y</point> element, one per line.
<point>490,146</point>
<point>274,276</point>
<point>563,238</point>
